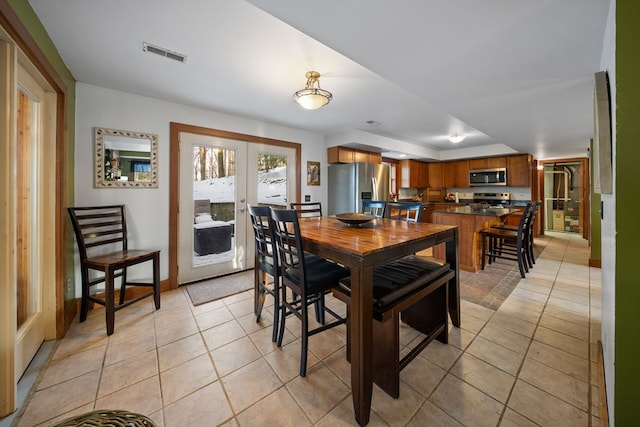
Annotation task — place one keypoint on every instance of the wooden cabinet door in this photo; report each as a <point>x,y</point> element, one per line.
<point>434,175</point>
<point>496,162</point>
<point>375,158</point>
<point>475,164</point>
<point>519,170</point>
<point>360,156</point>
<point>462,174</point>
<point>449,174</point>
<point>339,155</point>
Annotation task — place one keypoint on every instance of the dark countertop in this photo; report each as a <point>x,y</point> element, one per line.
<point>466,210</point>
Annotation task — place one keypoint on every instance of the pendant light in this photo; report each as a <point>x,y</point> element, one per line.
<point>312,97</point>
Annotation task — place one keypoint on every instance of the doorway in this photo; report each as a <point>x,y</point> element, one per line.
<point>215,175</point>
<point>566,196</point>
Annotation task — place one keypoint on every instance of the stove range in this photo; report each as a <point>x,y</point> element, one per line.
<point>493,199</point>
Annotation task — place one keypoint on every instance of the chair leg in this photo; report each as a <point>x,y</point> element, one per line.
<point>156,280</point>
<point>276,307</point>
<point>109,303</point>
<point>283,314</point>
<point>123,285</point>
<point>84,304</point>
<point>304,339</point>
<point>319,308</point>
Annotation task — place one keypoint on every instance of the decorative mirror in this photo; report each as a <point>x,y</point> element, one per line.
<point>125,159</point>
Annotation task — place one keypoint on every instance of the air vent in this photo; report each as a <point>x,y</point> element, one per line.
<point>164,52</point>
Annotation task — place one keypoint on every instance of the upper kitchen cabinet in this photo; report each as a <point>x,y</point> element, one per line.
<point>488,163</point>
<point>455,174</point>
<point>412,174</point>
<point>350,155</point>
<point>519,170</point>
<point>434,173</point>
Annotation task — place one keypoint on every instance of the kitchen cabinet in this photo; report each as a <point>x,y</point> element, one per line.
<point>412,174</point>
<point>455,174</point>
<point>469,240</point>
<point>426,210</point>
<point>519,170</point>
<point>434,175</point>
<point>488,163</point>
<point>350,155</point>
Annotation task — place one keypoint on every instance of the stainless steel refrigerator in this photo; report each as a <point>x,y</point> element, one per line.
<point>350,183</point>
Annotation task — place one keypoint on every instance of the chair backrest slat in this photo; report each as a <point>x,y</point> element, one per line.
<point>264,236</point>
<point>289,241</point>
<point>407,211</point>
<point>99,226</point>
<point>374,207</point>
<point>309,209</point>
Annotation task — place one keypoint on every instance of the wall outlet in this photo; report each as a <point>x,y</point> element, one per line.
<point>307,198</point>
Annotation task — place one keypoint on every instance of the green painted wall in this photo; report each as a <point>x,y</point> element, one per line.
<point>627,176</point>
<point>28,17</point>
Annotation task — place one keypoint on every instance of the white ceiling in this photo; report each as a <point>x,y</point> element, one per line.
<point>513,75</point>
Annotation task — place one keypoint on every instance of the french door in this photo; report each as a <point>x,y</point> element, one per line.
<point>219,178</point>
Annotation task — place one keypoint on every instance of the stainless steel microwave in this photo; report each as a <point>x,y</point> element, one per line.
<point>483,177</point>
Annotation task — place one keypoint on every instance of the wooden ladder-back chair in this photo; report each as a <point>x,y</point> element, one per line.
<point>266,262</point>
<point>509,244</point>
<point>309,209</point>
<point>374,207</point>
<point>101,233</point>
<point>308,277</point>
<point>406,211</point>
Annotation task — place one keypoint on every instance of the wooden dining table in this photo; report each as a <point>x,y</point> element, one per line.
<point>361,248</point>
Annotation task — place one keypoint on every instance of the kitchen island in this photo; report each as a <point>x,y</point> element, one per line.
<point>469,222</point>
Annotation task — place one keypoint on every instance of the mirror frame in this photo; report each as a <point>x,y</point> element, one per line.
<point>100,181</point>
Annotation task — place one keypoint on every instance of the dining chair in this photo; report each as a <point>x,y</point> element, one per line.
<point>266,263</point>
<point>406,211</point>
<point>534,212</point>
<point>101,234</point>
<point>508,244</point>
<point>308,278</point>
<point>374,207</point>
<point>306,210</point>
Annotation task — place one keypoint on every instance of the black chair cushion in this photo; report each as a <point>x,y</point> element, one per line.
<point>393,281</point>
<point>319,273</point>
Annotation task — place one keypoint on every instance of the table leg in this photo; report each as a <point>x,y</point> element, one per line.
<point>452,252</point>
<point>361,342</point>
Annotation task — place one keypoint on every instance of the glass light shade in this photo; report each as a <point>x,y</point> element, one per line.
<point>312,99</point>
<point>455,138</point>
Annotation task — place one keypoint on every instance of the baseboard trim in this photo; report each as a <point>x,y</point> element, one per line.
<point>602,388</point>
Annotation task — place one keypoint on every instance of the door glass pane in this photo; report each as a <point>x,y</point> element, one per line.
<point>214,194</point>
<point>27,290</point>
<point>563,196</point>
<point>272,180</point>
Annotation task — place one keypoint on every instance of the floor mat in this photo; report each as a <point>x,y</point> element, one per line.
<point>220,287</point>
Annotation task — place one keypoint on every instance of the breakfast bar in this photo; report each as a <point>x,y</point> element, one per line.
<point>469,221</point>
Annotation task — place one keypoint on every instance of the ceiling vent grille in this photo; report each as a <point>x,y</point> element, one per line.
<point>164,52</point>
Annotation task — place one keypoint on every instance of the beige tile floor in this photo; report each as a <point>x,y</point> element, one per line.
<point>531,362</point>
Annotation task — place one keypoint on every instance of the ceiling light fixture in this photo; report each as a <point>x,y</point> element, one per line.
<point>312,97</point>
<point>456,137</point>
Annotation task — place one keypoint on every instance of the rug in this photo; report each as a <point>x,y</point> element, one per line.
<point>220,287</point>
<point>491,287</point>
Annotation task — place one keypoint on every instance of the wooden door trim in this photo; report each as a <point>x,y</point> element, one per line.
<point>174,177</point>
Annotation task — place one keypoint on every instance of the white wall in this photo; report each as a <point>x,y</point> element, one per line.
<point>148,209</point>
<point>609,226</point>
